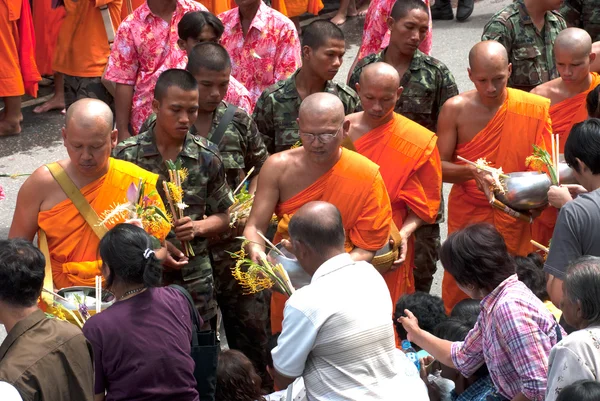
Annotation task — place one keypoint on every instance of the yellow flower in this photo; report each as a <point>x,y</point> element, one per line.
<point>183,174</point>
<point>176,192</point>
<point>535,163</point>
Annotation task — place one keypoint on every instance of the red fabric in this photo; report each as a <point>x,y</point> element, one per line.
<point>29,70</point>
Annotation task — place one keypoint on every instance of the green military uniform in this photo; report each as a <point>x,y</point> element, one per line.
<point>205,192</point>
<point>427,84</point>
<point>584,14</point>
<point>530,51</point>
<point>245,317</point>
<point>276,111</point>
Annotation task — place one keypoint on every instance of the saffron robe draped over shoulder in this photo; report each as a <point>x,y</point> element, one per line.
<point>564,116</point>
<point>47,22</point>
<point>72,243</point>
<point>355,186</point>
<point>506,141</point>
<point>411,168</point>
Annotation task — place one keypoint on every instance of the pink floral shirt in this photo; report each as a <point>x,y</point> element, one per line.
<point>145,46</point>
<point>376,35</point>
<point>238,95</point>
<point>269,53</point>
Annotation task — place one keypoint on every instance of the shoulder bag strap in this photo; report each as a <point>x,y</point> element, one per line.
<point>48,281</point>
<point>108,26</point>
<point>193,312</point>
<point>225,120</point>
<point>82,205</point>
<point>129,7</point>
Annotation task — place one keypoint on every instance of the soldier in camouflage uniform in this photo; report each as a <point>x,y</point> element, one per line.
<point>245,317</point>
<point>427,84</point>
<point>276,111</point>
<point>206,192</point>
<point>584,14</point>
<point>530,49</point>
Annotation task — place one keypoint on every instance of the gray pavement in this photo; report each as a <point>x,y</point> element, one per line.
<point>40,141</point>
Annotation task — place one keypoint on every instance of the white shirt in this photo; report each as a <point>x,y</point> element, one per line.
<point>9,393</point>
<point>338,335</point>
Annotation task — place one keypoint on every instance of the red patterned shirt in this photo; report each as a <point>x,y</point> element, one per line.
<point>238,95</point>
<point>145,46</point>
<point>376,34</point>
<point>269,53</point>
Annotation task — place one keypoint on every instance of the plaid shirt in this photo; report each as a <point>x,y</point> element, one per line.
<point>513,336</point>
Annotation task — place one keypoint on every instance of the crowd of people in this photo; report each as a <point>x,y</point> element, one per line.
<point>178,108</point>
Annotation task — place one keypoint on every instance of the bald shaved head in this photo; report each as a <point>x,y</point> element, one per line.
<point>381,74</point>
<point>486,53</point>
<point>574,40</point>
<point>324,105</point>
<point>90,114</point>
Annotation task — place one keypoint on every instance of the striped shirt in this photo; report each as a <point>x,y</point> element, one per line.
<point>513,337</point>
<point>338,334</point>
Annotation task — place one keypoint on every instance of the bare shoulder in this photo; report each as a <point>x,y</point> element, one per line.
<point>547,89</point>
<point>460,101</point>
<point>277,164</point>
<point>42,180</point>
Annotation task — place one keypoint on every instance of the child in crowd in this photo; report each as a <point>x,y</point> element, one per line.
<point>530,272</point>
<point>467,310</point>
<point>237,379</point>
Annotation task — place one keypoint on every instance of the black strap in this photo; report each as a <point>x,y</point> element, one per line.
<point>193,312</point>
<point>225,121</point>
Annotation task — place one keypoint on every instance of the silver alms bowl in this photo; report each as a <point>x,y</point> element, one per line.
<point>298,276</point>
<point>525,190</point>
<point>85,293</point>
<point>566,174</point>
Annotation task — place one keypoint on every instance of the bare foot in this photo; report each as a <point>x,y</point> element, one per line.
<point>339,19</point>
<point>54,103</point>
<point>9,129</point>
<point>362,11</point>
<point>2,114</point>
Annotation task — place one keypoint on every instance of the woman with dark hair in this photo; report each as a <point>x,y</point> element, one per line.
<point>583,390</point>
<point>237,379</point>
<point>514,332</point>
<point>577,357</point>
<point>142,342</point>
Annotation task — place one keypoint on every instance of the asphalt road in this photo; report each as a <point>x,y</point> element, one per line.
<point>40,141</point>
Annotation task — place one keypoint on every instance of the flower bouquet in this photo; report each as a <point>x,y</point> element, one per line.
<point>174,194</point>
<point>58,311</point>
<point>541,159</point>
<point>257,277</point>
<point>142,208</point>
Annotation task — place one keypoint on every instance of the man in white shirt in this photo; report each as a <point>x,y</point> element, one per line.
<point>338,332</point>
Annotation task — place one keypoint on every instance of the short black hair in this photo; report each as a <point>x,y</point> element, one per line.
<point>582,284</point>
<point>192,24</point>
<point>174,77</point>
<point>403,7</point>
<point>208,55</point>
<point>429,309</point>
<point>22,268</point>
<point>319,235</point>
<point>467,310</point>
<point>318,32</point>
<point>592,102</point>
<point>582,390</point>
<point>530,271</point>
<point>583,143</point>
<point>477,255</point>
<point>127,252</point>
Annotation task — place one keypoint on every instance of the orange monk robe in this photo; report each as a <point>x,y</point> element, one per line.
<point>506,141</point>
<point>47,22</point>
<point>564,116</point>
<point>134,4</point>
<point>355,186</point>
<point>72,243</point>
<point>295,8</point>
<point>411,168</point>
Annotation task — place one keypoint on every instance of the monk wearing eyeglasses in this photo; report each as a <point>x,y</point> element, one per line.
<point>321,170</point>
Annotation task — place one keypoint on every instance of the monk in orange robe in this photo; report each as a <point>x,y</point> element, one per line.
<point>495,123</point>
<point>18,71</point>
<point>567,94</point>
<point>408,159</point>
<point>321,170</point>
<point>43,205</point>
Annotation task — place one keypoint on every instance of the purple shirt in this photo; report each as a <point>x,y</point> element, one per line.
<point>142,348</point>
<point>513,336</point>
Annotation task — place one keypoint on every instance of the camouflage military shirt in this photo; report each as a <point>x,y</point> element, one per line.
<point>276,111</point>
<point>205,190</point>
<point>241,146</point>
<point>427,84</point>
<point>529,50</point>
<point>584,14</point>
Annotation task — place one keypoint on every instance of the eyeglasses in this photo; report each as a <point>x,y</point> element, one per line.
<point>323,138</point>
